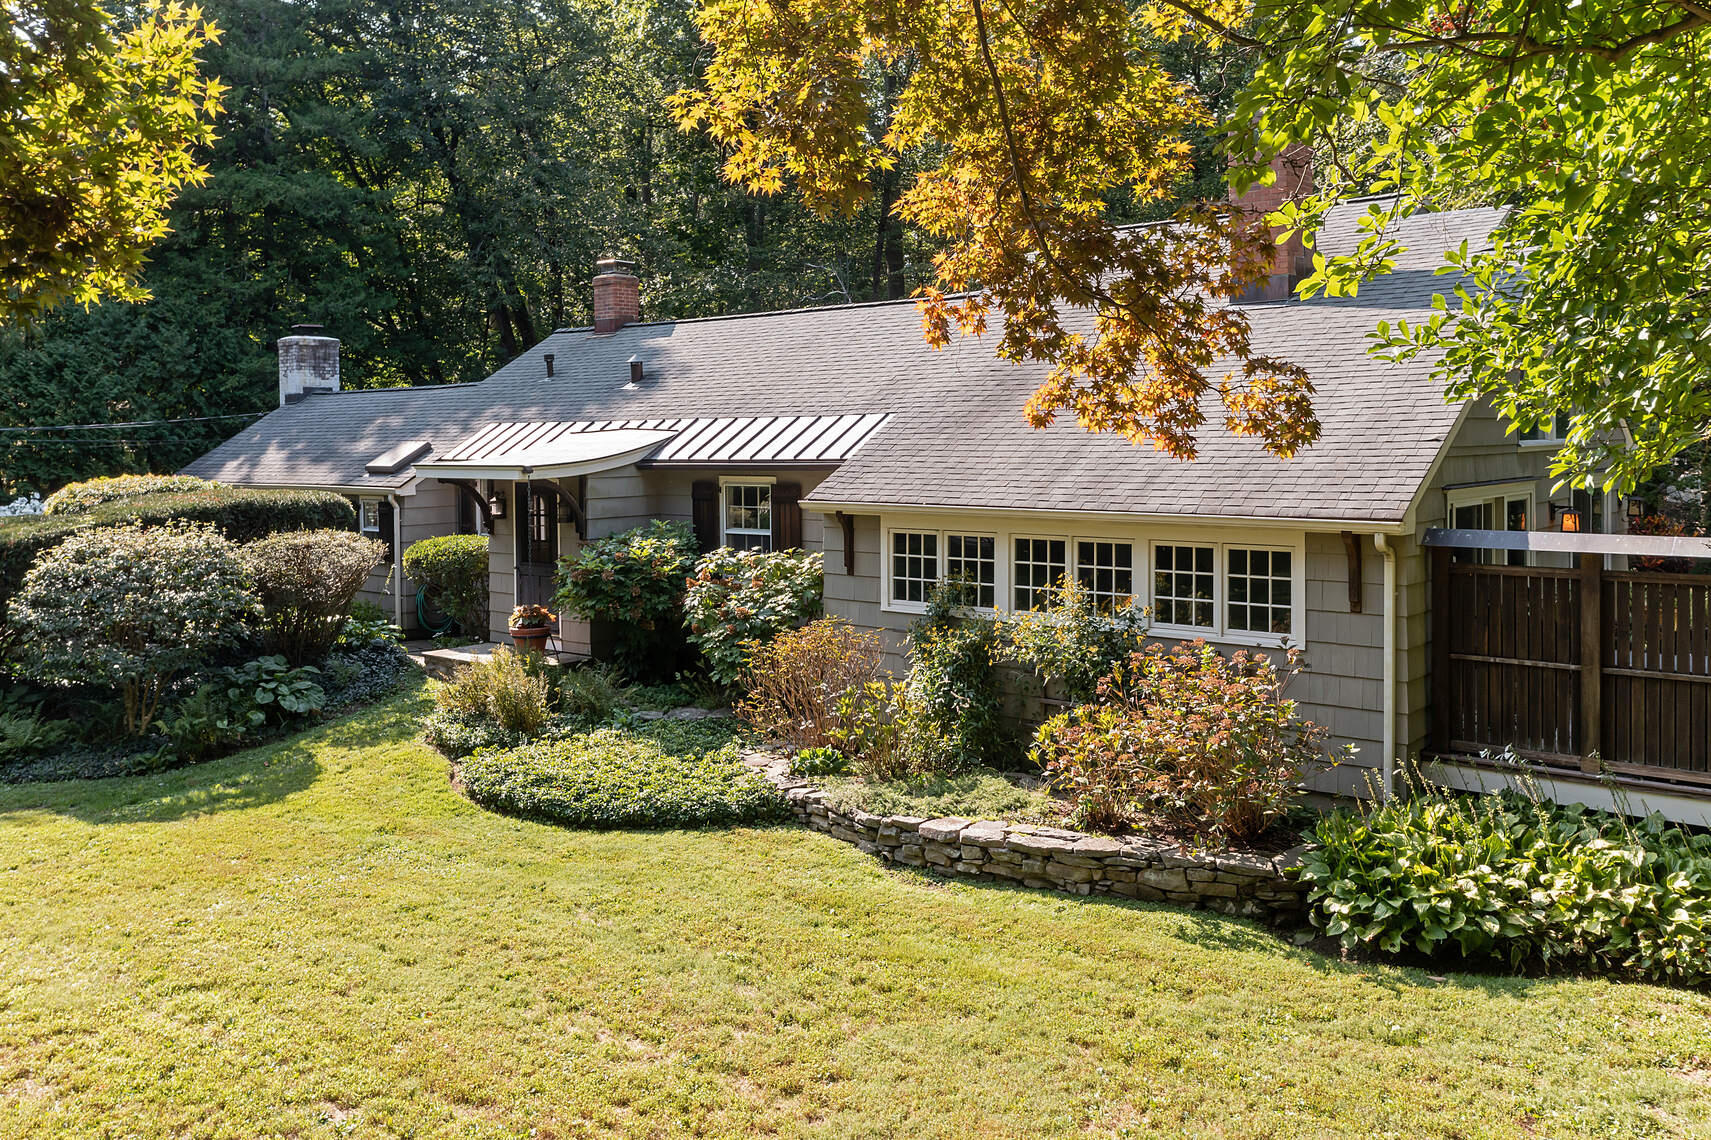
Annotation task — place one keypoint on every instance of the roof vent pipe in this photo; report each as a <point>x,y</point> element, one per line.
<point>635,372</point>
<point>548,358</point>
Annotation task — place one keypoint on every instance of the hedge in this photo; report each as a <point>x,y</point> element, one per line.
<point>241,514</point>
<point>75,498</point>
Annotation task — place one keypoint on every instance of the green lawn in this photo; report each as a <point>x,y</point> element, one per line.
<point>321,938</point>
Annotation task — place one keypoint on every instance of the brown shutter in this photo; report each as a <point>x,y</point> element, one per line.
<point>387,519</point>
<point>705,514</point>
<point>786,516</point>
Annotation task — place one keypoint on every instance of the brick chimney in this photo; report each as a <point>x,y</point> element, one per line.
<point>308,363</point>
<point>617,301</point>
<point>1292,260</point>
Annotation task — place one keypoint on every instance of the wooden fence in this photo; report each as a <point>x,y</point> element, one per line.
<point>1573,666</point>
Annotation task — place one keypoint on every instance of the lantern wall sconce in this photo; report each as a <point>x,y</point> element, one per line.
<point>496,504</point>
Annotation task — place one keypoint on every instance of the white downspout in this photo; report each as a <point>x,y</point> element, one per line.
<point>1387,776</point>
<point>397,560</point>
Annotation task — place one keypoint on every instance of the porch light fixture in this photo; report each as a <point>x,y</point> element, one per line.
<point>496,504</point>
<point>1636,508</point>
<point>1570,521</point>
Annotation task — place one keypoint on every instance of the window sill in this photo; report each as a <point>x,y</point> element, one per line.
<point>1238,638</point>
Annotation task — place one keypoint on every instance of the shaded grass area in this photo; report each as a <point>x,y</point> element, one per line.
<point>321,938</point>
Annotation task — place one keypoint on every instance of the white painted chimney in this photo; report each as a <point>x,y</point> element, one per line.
<point>308,363</point>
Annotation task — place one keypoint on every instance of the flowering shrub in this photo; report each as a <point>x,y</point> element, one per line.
<point>1072,641</point>
<point>798,682</point>
<point>635,581</point>
<point>1187,735</point>
<point>741,598</point>
<point>306,580</point>
<point>129,608</point>
<point>75,498</point>
<point>1663,525</point>
<point>532,617</point>
<point>1516,879</point>
<point>452,568</point>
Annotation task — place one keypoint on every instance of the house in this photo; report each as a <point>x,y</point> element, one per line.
<point>839,429</point>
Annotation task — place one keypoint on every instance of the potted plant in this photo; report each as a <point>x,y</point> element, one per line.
<point>531,626</point>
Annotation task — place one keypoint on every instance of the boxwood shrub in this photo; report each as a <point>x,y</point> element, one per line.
<point>74,498</point>
<point>612,777</point>
<point>452,568</point>
<point>241,514</point>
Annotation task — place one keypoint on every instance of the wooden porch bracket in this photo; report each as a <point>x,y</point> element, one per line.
<point>570,499</point>
<point>847,523</point>
<point>469,487</point>
<point>1353,546</point>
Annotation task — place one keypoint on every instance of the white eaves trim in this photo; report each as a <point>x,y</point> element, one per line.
<point>1112,518</point>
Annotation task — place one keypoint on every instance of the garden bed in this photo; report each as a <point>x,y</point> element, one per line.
<point>1035,855</point>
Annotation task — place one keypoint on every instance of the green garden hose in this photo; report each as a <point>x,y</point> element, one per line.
<point>445,625</point>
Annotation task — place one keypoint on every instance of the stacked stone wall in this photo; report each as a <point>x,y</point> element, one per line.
<point>1053,858</point>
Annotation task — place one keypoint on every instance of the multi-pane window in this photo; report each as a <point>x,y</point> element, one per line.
<point>371,516</point>
<point>1040,565</point>
<point>543,527</point>
<point>1550,431</point>
<point>1183,582</point>
<point>1261,587</point>
<point>1107,571</point>
<point>748,516</point>
<point>971,563</point>
<point>914,565</point>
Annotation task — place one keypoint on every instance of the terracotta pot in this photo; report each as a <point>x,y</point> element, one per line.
<point>531,639</point>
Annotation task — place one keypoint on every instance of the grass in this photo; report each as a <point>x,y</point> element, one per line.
<point>982,794</point>
<point>321,938</point>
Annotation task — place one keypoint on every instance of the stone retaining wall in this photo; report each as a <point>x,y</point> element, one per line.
<point>1136,867</point>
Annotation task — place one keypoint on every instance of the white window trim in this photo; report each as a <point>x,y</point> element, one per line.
<point>1213,631</point>
<point>1009,556</point>
<point>728,481</point>
<point>1293,542</point>
<point>999,575</point>
<point>1499,493</point>
<point>1552,442</point>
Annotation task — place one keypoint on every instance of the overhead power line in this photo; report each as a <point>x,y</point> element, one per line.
<point>132,423</point>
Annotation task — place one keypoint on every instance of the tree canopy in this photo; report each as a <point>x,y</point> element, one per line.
<point>101,117</point>
<point>1034,115</point>
<point>1583,120</point>
<point>1588,122</point>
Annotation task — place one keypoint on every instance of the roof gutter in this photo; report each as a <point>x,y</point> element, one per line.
<point>1358,526</point>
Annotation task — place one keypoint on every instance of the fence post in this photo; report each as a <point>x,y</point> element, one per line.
<point>1591,660</point>
<point>1440,618</point>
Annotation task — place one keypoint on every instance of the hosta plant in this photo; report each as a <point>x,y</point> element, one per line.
<point>1516,879</point>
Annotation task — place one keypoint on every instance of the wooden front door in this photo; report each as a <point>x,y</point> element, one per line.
<point>537,544</point>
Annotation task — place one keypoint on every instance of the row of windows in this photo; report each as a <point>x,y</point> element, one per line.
<point>1258,595</point>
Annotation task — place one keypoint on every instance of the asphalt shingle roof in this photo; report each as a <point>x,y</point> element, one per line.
<point>955,437</point>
